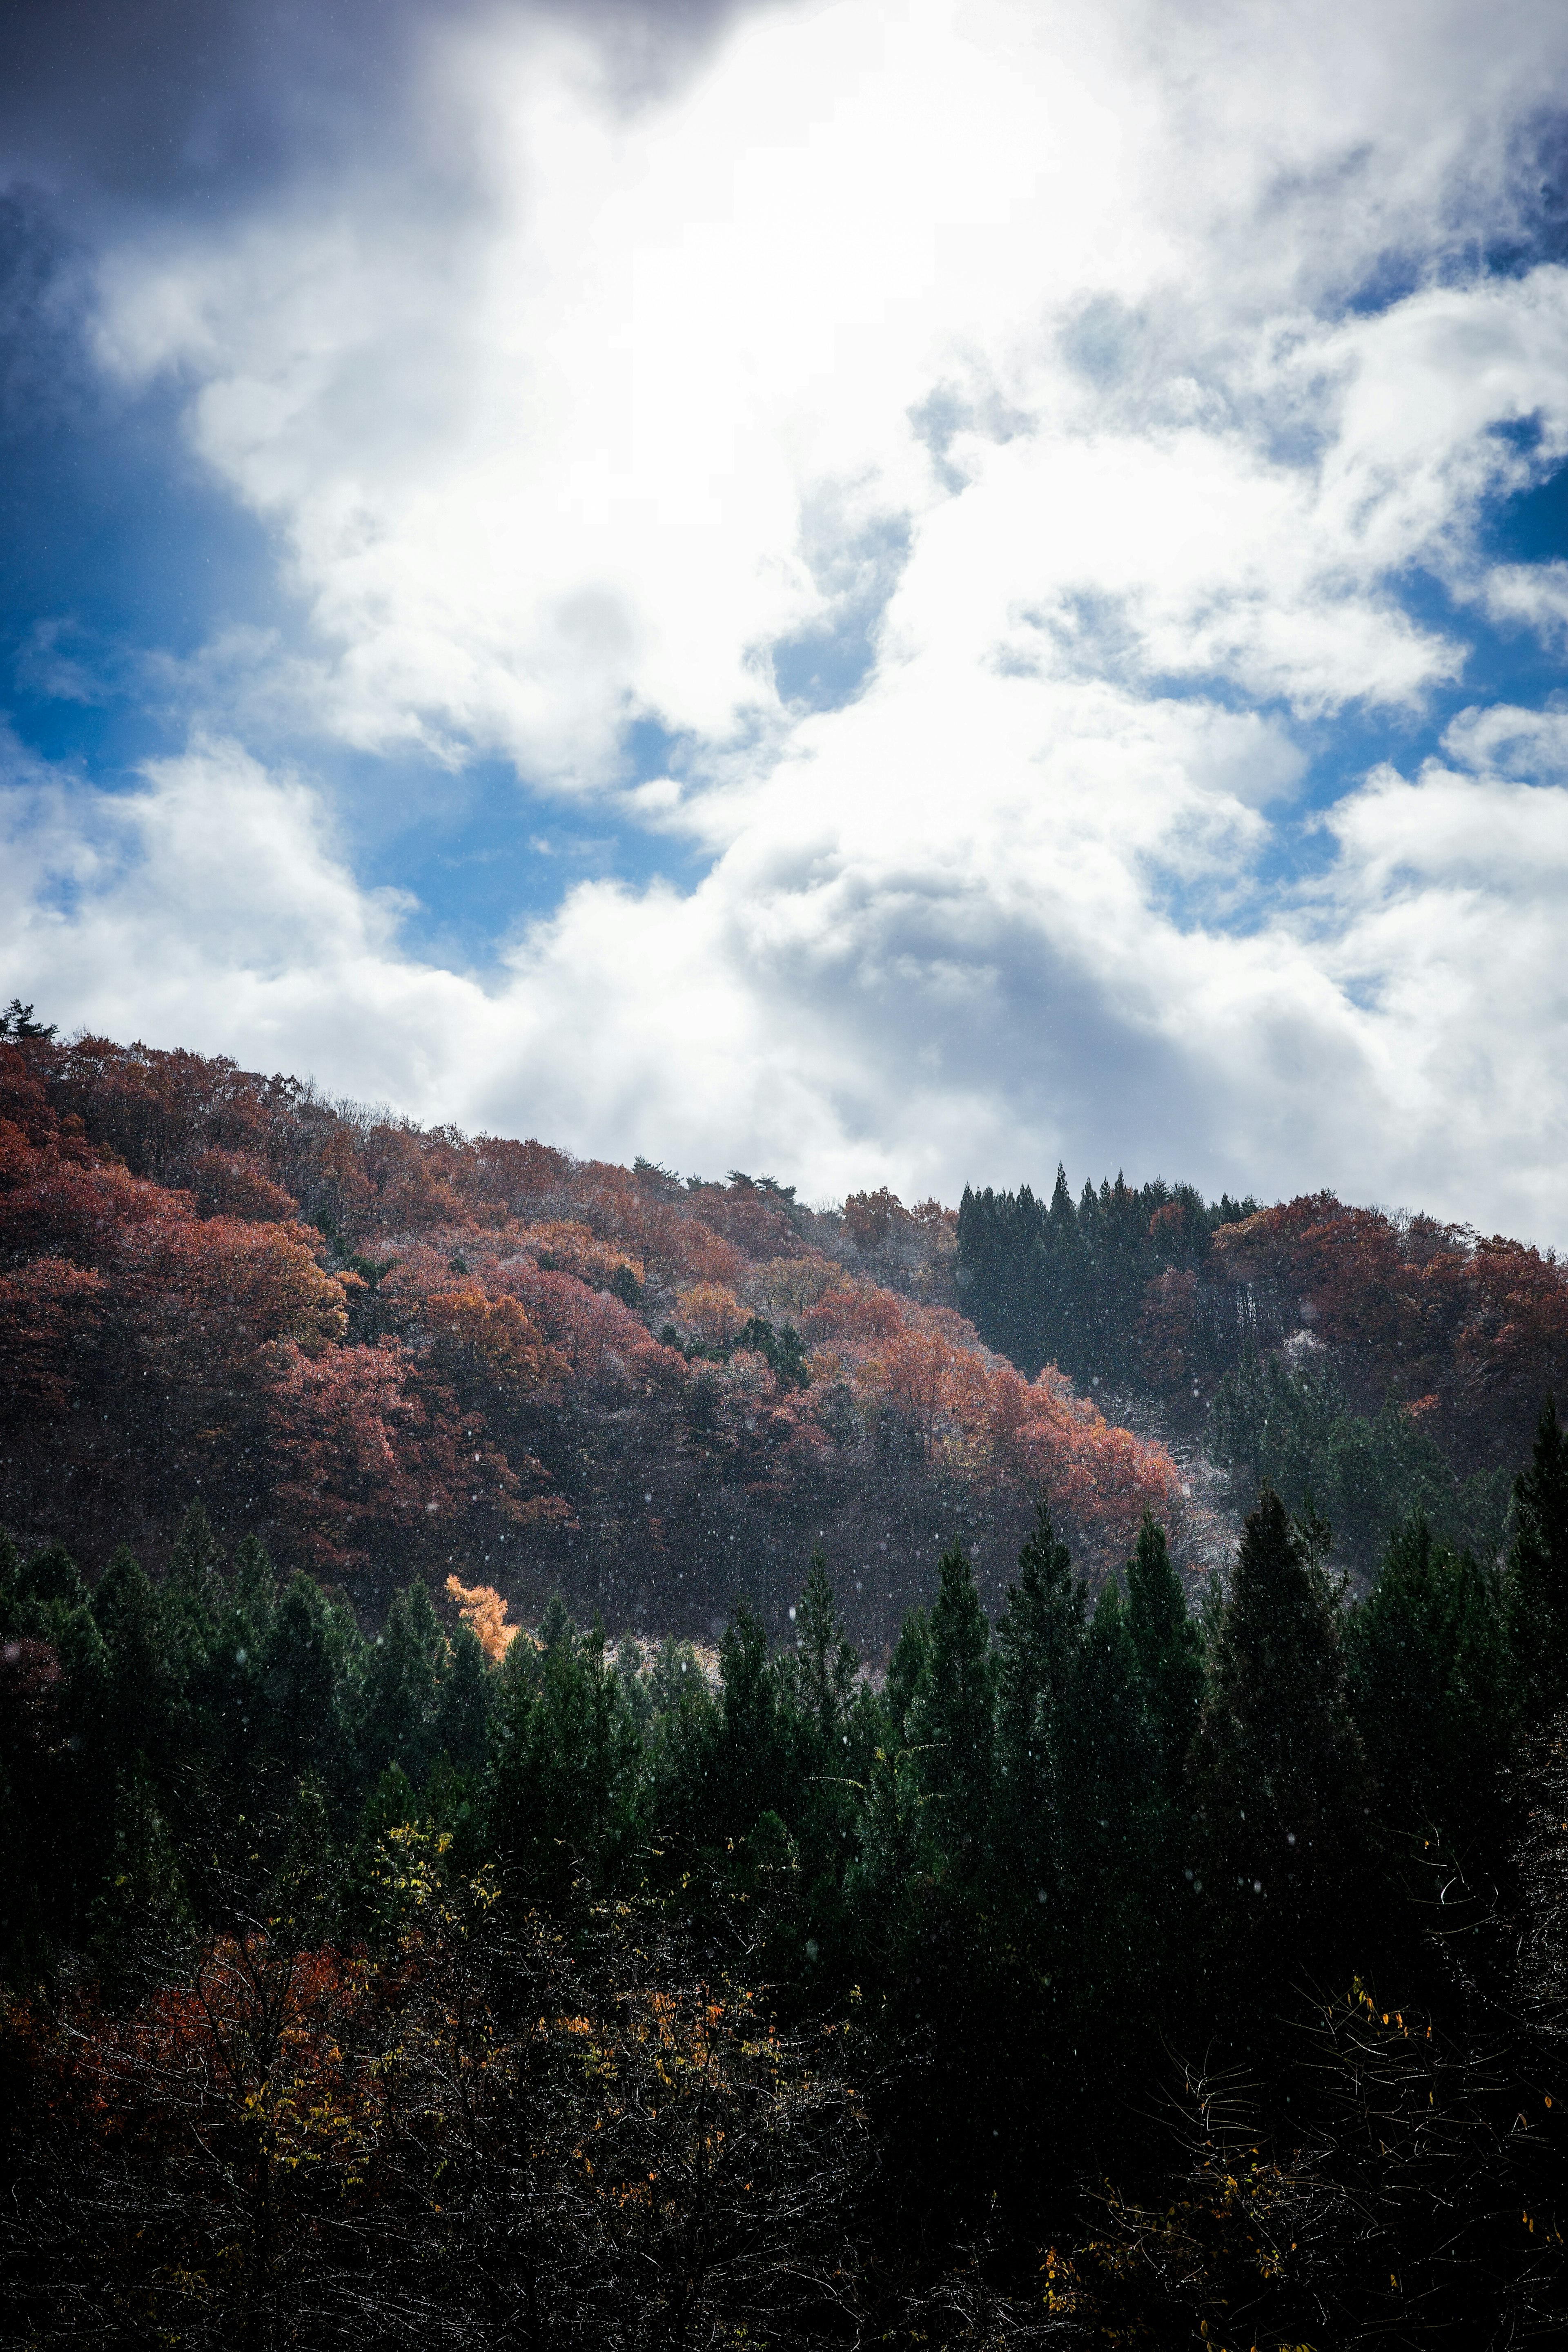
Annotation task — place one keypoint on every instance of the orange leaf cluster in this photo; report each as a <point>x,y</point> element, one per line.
<point>482,1607</point>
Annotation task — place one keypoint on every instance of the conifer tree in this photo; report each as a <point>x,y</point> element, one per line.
<point>1431,1691</point>
<point>403,1694</point>
<point>139,1700</point>
<point>952,1720</point>
<point>1277,1770</point>
<point>245,1606</point>
<point>1108,1804</point>
<point>304,1687</point>
<point>1169,1647</point>
<point>391,1805</point>
<point>306,1894</point>
<point>1037,1641</point>
<point>196,1560</point>
<point>139,1922</point>
<point>750,1769</point>
<point>1039,1636</point>
<point>1537,1580</point>
<point>191,1598</point>
<point>907,1669</point>
<point>827,1662</point>
<point>254,1591</point>
<point>565,1789</point>
<point>463,1718</point>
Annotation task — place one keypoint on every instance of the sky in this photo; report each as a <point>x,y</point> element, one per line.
<point>873,591</point>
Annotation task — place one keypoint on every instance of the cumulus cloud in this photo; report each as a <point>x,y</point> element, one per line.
<point>992,445</point>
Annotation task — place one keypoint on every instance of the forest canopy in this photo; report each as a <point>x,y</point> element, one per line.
<point>602,1758</point>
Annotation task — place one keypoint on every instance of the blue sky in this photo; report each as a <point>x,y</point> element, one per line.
<point>889,592</point>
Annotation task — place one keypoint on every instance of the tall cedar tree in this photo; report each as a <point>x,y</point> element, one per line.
<point>1169,1647</point>
<point>952,1716</point>
<point>408,1663</point>
<point>1038,1642</point>
<point>1109,1805</point>
<point>567,1794</point>
<point>1278,1774</point>
<point>1431,1692</point>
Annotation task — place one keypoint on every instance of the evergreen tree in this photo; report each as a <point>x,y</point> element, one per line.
<point>253,1594</point>
<point>827,1662</point>
<point>53,1745</point>
<point>566,1787</point>
<point>196,1561</point>
<point>368,1900</point>
<point>305,1685</point>
<point>305,1897</point>
<point>1536,1586</point>
<point>907,1671</point>
<point>1169,1647</point>
<point>557,1630</point>
<point>752,1768</point>
<point>139,1699</point>
<point>1109,1808</point>
<point>402,1688</point>
<point>952,1719</point>
<point>1278,1774</point>
<point>463,1718</point>
<point>245,1608</point>
<point>892,1860</point>
<point>1038,1642</point>
<point>1431,1689</point>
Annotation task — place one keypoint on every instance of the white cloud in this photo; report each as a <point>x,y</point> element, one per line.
<point>546,465</point>
<point>1535,595</point>
<point>1511,742</point>
<point>1022,336</point>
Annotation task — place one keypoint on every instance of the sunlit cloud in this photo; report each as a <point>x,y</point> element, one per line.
<point>1015,490</point>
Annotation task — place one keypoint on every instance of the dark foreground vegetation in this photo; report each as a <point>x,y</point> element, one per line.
<point>1107,1976</point>
<point>1084,1966</point>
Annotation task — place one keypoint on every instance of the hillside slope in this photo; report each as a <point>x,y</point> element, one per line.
<point>1375,1362</point>
<point>391,1350</point>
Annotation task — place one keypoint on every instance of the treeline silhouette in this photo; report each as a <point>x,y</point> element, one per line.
<point>1102,1974</point>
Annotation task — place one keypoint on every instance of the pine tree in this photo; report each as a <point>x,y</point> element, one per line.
<point>304,1687</point>
<point>140,1698</point>
<point>196,1560</point>
<point>1431,1692</point>
<point>751,1770</point>
<point>1536,1586</point>
<point>403,1693</point>
<point>1038,1642</point>
<point>463,1720</point>
<point>371,1907</point>
<point>139,1922</point>
<point>907,1671</point>
<point>565,1789</point>
<point>1277,1770</point>
<point>1109,1808</point>
<point>191,1600</point>
<point>827,1662</point>
<point>952,1720</point>
<point>1169,1648</point>
<point>254,1593</point>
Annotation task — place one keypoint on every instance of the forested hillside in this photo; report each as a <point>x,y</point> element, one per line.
<point>392,1352</point>
<point>1372,1363</point>
<point>975,1937</point>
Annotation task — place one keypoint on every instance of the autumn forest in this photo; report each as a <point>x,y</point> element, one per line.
<point>597,1756</point>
